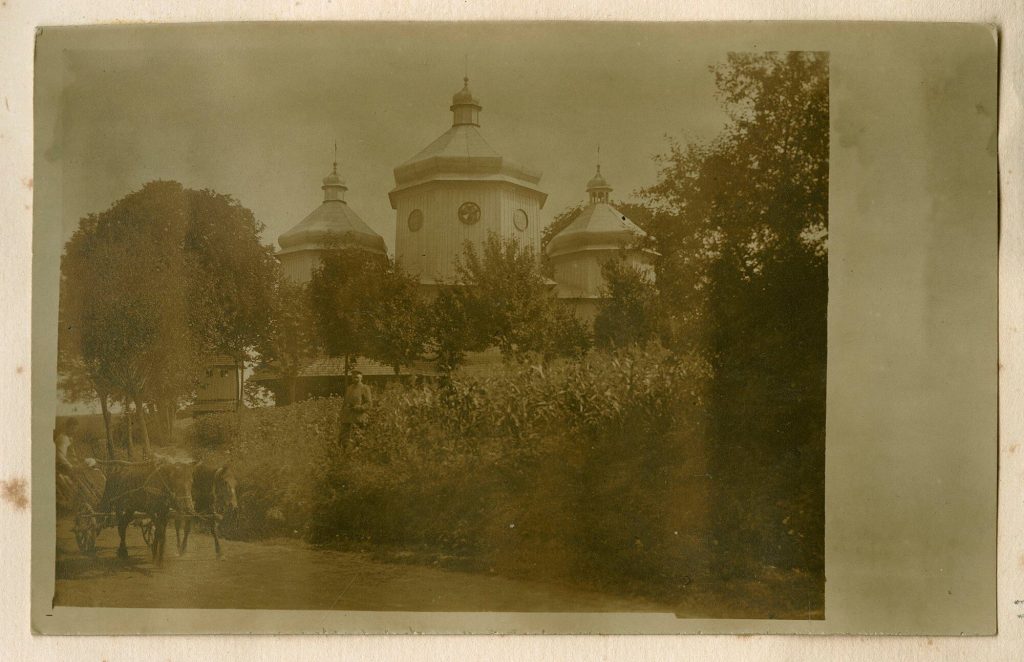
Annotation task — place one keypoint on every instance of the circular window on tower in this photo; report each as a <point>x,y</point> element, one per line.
<point>415,220</point>
<point>520,220</point>
<point>469,213</point>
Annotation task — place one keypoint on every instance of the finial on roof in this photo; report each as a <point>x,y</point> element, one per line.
<point>465,107</point>
<point>598,187</point>
<point>334,187</point>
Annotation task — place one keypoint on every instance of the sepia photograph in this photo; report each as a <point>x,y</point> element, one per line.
<point>481,317</point>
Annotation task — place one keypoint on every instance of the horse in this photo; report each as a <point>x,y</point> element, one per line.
<point>154,488</point>
<point>214,492</point>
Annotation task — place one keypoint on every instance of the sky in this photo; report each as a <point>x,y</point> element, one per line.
<point>254,110</point>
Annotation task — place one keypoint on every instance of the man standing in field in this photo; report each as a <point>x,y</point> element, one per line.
<point>356,402</point>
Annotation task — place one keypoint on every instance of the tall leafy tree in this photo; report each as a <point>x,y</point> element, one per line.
<point>741,223</point>
<point>504,301</point>
<point>154,285</point>
<point>123,298</point>
<point>77,384</point>
<point>341,293</point>
<point>291,341</point>
<point>450,327</point>
<point>628,314</point>
<point>364,305</point>
<point>233,276</point>
<point>397,321</point>
<point>509,298</point>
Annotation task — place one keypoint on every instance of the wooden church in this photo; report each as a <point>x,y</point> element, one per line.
<point>459,189</point>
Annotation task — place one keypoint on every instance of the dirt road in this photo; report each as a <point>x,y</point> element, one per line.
<point>290,575</point>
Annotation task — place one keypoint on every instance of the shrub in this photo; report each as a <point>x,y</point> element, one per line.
<point>215,431</point>
<point>594,471</point>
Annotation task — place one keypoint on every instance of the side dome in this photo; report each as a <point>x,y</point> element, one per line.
<point>333,222</point>
<point>598,227</point>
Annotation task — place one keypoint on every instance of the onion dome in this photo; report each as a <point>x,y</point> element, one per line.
<point>598,227</point>
<point>462,154</point>
<point>332,222</point>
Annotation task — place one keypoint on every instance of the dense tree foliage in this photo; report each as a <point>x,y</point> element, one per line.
<point>397,324</point>
<point>502,299</point>
<point>364,305</point>
<point>291,340</point>
<point>155,285</point>
<point>629,313</point>
<point>741,224</point>
<point>233,278</point>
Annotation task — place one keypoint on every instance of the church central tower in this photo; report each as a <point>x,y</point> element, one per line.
<point>459,189</point>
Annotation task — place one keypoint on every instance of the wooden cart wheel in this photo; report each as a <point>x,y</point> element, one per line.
<point>86,528</point>
<point>147,531</point>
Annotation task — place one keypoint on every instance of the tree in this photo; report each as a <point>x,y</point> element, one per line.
<point>508,297</point>
<point>233,276</point>
<point>291,341</point>
<point>77,384</point>
<point>501,299</point>
<point>629,313</point>
<point>123,298</point>
<point>450,328</point>
<point>342,290</point>
<point>741,224</point>
<point>365,305</point>
<point>566,335</point>
<point>156,284</point>
<point>397,321</point>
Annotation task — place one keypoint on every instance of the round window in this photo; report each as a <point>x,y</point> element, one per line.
<point>520,220</point>
<point>469,213</point>
<point>415,220</point>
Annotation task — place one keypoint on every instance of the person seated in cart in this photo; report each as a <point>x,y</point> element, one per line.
<point>65,456</point>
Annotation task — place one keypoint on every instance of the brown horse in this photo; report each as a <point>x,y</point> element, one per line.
<point>214,492</point>
<point>153,488</point>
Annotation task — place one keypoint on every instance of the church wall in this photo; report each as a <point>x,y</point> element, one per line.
<point>431,251</point>
<point>299,266</point>
<point>579,274</point>
<point>517,198</point>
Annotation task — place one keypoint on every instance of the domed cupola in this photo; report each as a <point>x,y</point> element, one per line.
<point>598,188</point>
<point>598,227</point>
<point>599,234</point>
<point>334,223</point>
<point>465,108</point>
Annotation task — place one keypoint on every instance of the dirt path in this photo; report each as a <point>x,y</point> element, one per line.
<point>291,575</point>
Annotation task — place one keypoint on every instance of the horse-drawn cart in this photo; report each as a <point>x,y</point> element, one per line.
<point>147,495</point>
<point>83,499</point>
